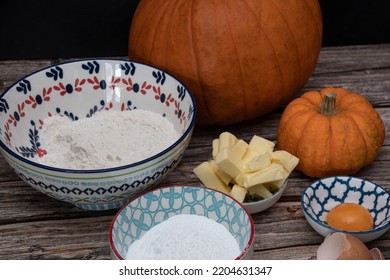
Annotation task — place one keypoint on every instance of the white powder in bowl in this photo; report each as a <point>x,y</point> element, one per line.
<point>108,139</point>
<point>185,237</point>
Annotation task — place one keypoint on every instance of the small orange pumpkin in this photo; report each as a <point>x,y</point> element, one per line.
<point>332,132</point>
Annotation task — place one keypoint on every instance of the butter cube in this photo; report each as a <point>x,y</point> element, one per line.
<point>206,175</point>
<point>257,162</point>
<point>273,172</point>
<point>228,162</point>
<point>275,185</point>
<point>287,160</point>
<point>240,148</point>
<point>215,146</point>
<point>227,140</point>
<point>249,154</point>
<point>261,145</point>
<point>239,179</point>
<point>260,190</point>
<point>226,178</point>
<point>238,193</point>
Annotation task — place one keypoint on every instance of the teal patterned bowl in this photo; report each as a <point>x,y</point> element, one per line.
<point>324,194</point>
<point>156,206</point>
<point>80,89</point>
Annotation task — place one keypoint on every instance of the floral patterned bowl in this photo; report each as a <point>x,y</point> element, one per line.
<point>154,207</point>
<point>79,89</point>
<point>324,194</point>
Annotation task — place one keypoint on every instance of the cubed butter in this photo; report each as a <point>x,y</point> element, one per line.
<point>257,162</point>
<point>239,168</point>
<point>227,140</point>
<point>260,190</point>
<point>215,146</point>
<point>238,193</point>
<point>261,145</point>
<point>249,155</point>
<point>271,173</point>
<point>206,175</point>
<point>226,178</point>
<point>239,179</point>
<point>240,148</point>
<point>275,185</point>
<point>286,159</point>
<point>228,162</point>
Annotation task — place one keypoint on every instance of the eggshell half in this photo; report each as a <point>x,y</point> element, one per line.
<point>376,254</point>
<point>342,246</point>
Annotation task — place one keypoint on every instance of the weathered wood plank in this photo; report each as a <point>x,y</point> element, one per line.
<point>373,84</point>
<point>85,238</point>
<point>6,172</point>
<point>306,252</point>
<point>34,206</point>
<point>353,58</point>
<point>13,70</point>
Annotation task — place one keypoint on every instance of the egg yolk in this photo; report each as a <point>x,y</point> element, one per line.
<point>350,217</point>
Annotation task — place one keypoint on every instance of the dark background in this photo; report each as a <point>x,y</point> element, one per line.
<point>88,28</point>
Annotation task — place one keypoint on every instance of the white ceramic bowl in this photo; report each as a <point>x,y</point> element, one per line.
<point>324,194</point>
<point>77,90</point>
<point>154,207</point>
<point>264,204</point>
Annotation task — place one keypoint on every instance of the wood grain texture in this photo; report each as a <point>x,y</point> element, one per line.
<point>35,226</point>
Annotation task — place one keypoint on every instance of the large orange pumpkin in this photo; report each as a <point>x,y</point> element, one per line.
<point>240,59</point>
<point>332,132</point>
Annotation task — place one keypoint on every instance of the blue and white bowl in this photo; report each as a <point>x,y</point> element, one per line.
<point>154,207</point>
<point>324,194</point>
<point>78,90</point>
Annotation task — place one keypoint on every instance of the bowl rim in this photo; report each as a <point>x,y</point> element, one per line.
<point>323,225</point>
<point>244,251</point>
<point>111,169</point>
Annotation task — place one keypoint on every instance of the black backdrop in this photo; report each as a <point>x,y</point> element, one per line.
<point>88,28</point>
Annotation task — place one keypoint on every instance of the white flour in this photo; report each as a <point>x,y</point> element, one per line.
<point>185,237</point>
<point>108,139</point>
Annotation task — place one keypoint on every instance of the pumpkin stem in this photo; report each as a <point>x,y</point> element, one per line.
<point>328,106</point>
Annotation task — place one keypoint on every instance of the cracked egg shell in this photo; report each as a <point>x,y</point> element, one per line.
<point>376,254</point>
<point>342,246</point>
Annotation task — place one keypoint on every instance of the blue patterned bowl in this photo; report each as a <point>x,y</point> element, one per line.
<point>323,195</point>
<point>78,90</point>
<point>148,210</point>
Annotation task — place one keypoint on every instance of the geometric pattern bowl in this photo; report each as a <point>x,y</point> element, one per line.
<point>80,89</point>
<point>323,195</point>
<point>154,207</point>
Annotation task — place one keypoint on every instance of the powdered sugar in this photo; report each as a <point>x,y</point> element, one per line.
<point>184,236</point>
<point>108,139</point>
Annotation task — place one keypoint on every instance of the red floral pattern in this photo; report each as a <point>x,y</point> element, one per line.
<point>78,85</point>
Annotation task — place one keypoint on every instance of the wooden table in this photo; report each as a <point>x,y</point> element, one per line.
<point>34,226</point>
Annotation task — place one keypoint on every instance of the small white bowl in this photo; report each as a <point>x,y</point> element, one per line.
<point>324,194</point>
<point>264,204</point>
<point>147,210</point>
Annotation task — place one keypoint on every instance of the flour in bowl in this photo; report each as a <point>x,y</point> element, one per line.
<point>185,237</point>
<point>108,139</point>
